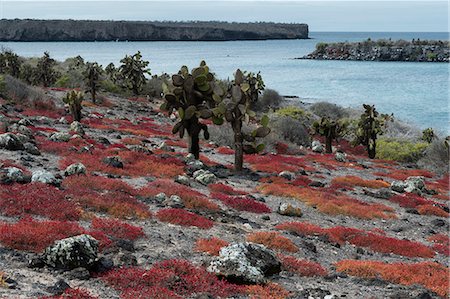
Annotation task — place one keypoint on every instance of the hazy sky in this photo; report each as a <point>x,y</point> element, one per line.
<point>319,15</point>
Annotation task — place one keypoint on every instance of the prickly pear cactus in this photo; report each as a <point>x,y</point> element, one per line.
<point>428,135</point>
<point>92,75</point>
<point>330,129</point>
<point>193,94</point>
<point>74,99</point>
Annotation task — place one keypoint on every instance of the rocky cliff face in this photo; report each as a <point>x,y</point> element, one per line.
<point>72,30</point>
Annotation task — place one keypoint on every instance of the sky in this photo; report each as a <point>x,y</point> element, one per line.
<point>334,15</point>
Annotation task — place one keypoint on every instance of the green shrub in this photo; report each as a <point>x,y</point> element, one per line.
<point>326,109</point>
<point>293,112</point>
<point>399,150</point>
<point>270,99</point>
<point>2,87</point>
<point>436,157</point>
<point>320,47</point>
<point>63,81</point>
<point>109,86</point>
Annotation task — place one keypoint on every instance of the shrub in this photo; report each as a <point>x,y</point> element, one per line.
<point>20,92</point>
<point>273,240</point>
<point>291,130</point>
<point>178,276</point>
<point>293,112</point>
<point>211,246</point>
<point>241,203</point>
<point>403,151</point>
<point>31,235</point>
<point>436,157</point>
<point>325,109</point>
<point>269,99</point>
<point>268,291</point>
<point>431,275</point>
<point>302,267</point>
<point>357,181</point>
<point>184,218</point>
<point>37,199</point>
<point>117,229</point>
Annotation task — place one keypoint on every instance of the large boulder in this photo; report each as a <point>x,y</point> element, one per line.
<point>43,176</point>
<point>286,209</point>
<point>340,157</point>
<point>76,168</point>
<point>71,253</point>
<point>204,177</point>
<point>13,174</point>
<point>413,184</point>
<point>10,142</point>
<point>77,127</point>
<point>245,263</point>
<point>316,146</point>
<point>60,137</point>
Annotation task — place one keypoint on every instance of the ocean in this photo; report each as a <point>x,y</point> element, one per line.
<point>417,93</point>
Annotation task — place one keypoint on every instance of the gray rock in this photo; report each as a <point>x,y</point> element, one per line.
<point>413,184</point>
<point>245,263</point>
<point>124,259</point>
<point>287,209</point>
<point>182,179</point>
<point>10,142</point>
<point>160,197</point>
<point>113,161</point>
<point>31,148</point>
<point>43,176</point>
<point>76,168</point>
<point>204,177</point>
<point>287,175</point>
<point>15,174</point>
<point>139,149</point>
<point>189,158</point>
<point>25,122</point>
<point>340,157</point>
<point>316,146</point>
<point>44,120</point>
<point>77,127</point>
<point>163,146</point>
<point>195,165</point>
<point>71,253</point>
<point>63,120</point>
<point>60,137</point>
<point>16,128</point>
<point>174,201</point>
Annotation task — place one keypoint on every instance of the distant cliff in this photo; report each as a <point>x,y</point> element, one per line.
<point>76,30</point>
<point>383,50</point>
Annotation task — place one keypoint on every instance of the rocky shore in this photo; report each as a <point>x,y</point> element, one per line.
<point>383,50</point>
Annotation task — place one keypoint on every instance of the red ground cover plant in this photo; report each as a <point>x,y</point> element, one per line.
<point>432,210</point>
<point>177,276</point>
<point>192,199</point>
<point>357,237</point>
<point>442,185</point>
<point>302,267</point>
<point>37,199</point>
<point>211,246</point>
<point>85,184</point>
<point>403,174</point>
<point>225,150</point>
<point>32,235</point>
<point>431,275</point>
<point>222,188</point>
<point>145,292</point>
<point>352,180</point>
<point>328,203</point>
<point>273,240</point>
<point>424,206</point>
<point>242,203</point>
<point>272,163</point>
<point>175,142</point>
<point>72,294</point>
<point>117,229</point>
<point>184,218</point>
<point>268,291</point>
<point>441,243</point>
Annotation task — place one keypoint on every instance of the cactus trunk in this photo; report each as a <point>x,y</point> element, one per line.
<point>328,141</point>
<point>93,94</point>
<point>371,149</point>
<point>238,144</point>
<point>193,130</point>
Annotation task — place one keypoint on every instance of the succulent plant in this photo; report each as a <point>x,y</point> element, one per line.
<point>428,135</point>
<point>45,73</point>
<point>132,72</point>
<point>111,72</point>
<point>74,99</point>
<point>10,63</point>
<point>235,109</point>
<point>330,129</point>
<point>193,95</point>
<point>92,75</point>
<point>370,125</point>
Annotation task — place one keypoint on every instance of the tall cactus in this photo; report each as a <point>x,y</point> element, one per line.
<point>235,109</point>
<point>370,125</point>
<point>10,63</point>
<point>92,75</point>
<point>428,135</point>
<point>330,129</point>
<point>192,95</point>
<point>132,71</point>
<point>74,99</point>
<point>45,72</point>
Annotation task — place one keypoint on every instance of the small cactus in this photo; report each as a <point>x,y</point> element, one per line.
<point>428,135</point>
<point>132,72</point>
<point>92,75</point>
<point>74,99</point>
<point>330,129</point>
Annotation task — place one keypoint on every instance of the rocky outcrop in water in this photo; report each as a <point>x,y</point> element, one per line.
<point>383,50</point>
<point>78,30</point>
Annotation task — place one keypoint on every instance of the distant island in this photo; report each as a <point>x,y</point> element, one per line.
<point>383,50</point>
<point>28,30</point>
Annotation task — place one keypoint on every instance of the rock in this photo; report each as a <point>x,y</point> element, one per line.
<point>124,259</point>
<point>76,168</point>
<point>63,120</point>
<point>160,197</point>
<point>163,146</point>
<point>316,146</point>
<point>316,184</point>
<point>287,175</point>
<point>195,165</point>
<point>25,122</point>
<point>139,149</point>
<point>31,149</point>
<point>58,288</point>
<point>103,140</point>
<point>174,201</point>
<point>438,222</point>
<point>15,174</point>
<point>71,253</point>
<point>189,158</point>
<point>204,177</point>
<point>113,161</point>
<point>413,184</point>
<point>245,263</point>
<point>60,137</point>
<point>340,157</point>
<point>10,141</point>
<point>16,128</point>
<point>43,176</point>
<point>77,127</point>
<point>44,120</point>
<point>80,273</point>
<point>102,265</point>
<point>287,209</point>
<point>182,179</point>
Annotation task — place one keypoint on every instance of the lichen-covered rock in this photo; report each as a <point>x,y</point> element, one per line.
<point>31,148</point>
<point>43,176</point>
<point>25,122</point>
<point>113,161</point>
<point>245,263</point>
<point>287,175</point>
<point>10,141</point>
<point>139,149</point>
<point>413,184</point>
<point>77,127</point>
<point>340,157</point>
<point>71,253</point>
<point>174,201</point>
<point>189,158</point>
<point>76,168</point>
<point>60,137</point>
<point>13,175</point>
<point>160,197</point>
<point>182,179</point>
<point>204,177</point>
<point>16,128</point>
<point>316,146</point>
<point>287,209</point>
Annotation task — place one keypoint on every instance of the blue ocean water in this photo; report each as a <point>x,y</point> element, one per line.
<point>414,92</point>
